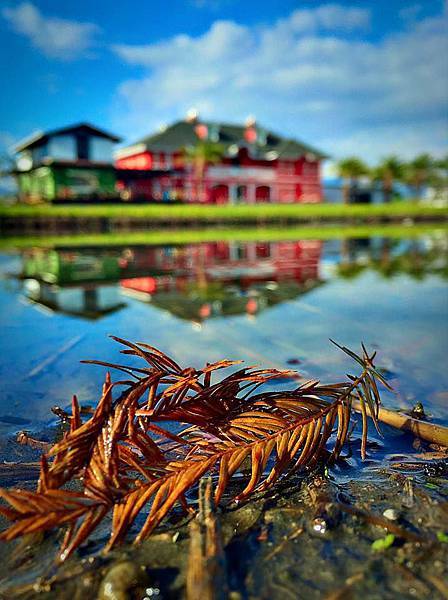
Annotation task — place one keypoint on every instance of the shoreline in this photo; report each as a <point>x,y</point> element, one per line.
<point>210,234</point>
<point>73,219</point>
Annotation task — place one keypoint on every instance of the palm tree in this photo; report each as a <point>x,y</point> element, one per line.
<point>350,169</point>
<point>442,163</point>
<point>439,177</point>
<point>199,156</point>
<point>418,172</point>
<point>389,171</point>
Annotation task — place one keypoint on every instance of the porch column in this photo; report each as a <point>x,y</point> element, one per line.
<point>251,193</point>
<point>233,194</point>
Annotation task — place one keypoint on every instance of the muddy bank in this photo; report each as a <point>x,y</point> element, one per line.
<point>35,225</point>
<point>323,535</point>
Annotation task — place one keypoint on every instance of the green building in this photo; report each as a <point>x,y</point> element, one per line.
<point>70,163</point>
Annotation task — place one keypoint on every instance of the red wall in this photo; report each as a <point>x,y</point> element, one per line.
<point>295,181</point>
<point>143,161</point>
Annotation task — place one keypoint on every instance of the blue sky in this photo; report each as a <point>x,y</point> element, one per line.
<point>367,78</point>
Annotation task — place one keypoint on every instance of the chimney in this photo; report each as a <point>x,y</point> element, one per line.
<point>250,131</point>
<point>192,116</point>
<point>251,121</point>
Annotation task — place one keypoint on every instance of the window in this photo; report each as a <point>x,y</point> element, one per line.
<point>214,133</point>
<point>63,147</point>
<point>39,153</point>
<point>100,149</point>
<point>241,193</point>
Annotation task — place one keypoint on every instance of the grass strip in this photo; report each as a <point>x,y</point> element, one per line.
<point>190,236</point>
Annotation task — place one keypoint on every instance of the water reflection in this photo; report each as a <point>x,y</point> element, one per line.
<point>264,302</point>
<point>193,282</point>
<point>416,258</point>
<point>201,281</point>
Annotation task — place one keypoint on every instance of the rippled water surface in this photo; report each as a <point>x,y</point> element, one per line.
<point>274,303</point>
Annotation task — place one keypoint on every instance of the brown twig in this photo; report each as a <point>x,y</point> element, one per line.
<point>436,434</point>
<point>345,592</point>
<point>374,519</point>
<point>292,536</point>
<point>206,572</point>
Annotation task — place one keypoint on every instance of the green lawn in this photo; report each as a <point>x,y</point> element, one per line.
<point>190,236</point>
<point>231,213</point>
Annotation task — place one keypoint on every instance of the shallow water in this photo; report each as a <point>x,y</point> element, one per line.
<point>272,303</point>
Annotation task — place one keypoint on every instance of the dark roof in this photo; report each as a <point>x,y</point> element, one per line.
<point>42,136</point>
<point>182,134</point>
<point>187,306</point>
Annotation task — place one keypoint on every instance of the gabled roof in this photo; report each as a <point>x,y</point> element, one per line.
<point>41,137</point>
<point>182,134</point>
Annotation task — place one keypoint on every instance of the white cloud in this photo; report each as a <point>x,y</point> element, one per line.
<point>301,75</point>
<point>56,38</point>
<point>225,41</point>
<point>330,17</point>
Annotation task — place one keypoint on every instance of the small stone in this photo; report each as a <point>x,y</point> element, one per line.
<point>320,525</point>
<point>390,514</point>
<point>120,578</point>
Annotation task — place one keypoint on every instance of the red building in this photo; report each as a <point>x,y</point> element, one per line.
<point>251,165</point>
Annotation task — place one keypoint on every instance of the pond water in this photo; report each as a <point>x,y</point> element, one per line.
<point>270,303</point>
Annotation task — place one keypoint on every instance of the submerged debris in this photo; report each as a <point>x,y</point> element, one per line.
<point>120,580</point>
<point>24,438</point>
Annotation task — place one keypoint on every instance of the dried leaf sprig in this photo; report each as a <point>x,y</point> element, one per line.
<point>126,463</point>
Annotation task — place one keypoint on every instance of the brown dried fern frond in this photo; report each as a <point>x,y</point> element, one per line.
<point>126,463</point>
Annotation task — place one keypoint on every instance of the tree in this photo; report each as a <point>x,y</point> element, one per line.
<point>199,156</point>
<point>438,179</point>
<point>388,172</point>
<point>442,163</point>
<point>418,172</point>
<point>350,169</point>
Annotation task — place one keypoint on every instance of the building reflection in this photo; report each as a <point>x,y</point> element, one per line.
<point>228,278</point>
<point>202,281</point>
<point>193,282</point>
<point>90,301</point>
<point>72,281</point>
